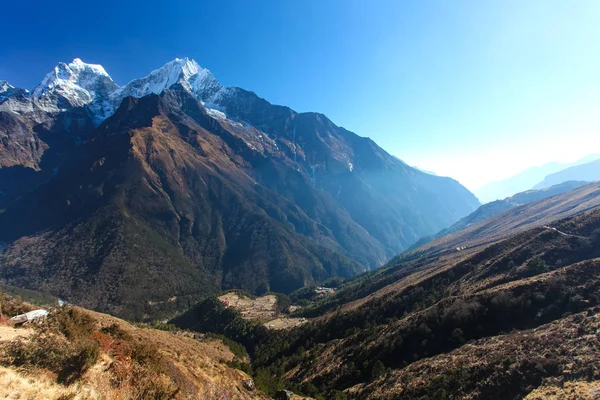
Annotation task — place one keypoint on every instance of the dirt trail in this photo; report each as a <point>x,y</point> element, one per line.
<point>563,233</point>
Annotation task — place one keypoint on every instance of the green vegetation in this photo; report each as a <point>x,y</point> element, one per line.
<point>31,296</point>
<point>443,312</point>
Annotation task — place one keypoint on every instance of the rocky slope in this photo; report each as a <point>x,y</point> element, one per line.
<point>174,186</point>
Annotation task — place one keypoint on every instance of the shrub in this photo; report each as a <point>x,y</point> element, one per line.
<point>116,332</point>
<point>73,323</point>
<point>378,370</point>
<point>80,358</point>
<point>11,306</point>
<point>146,354</point>
<point>457,336</point>
<point>46,350</point>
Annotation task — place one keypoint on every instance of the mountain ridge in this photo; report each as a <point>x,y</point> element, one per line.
<point>236,191</point>
<point>586,172</point>
<point>525,180</point>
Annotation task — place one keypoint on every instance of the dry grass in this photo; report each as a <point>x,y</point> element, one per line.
<point>577,390</point>
<point>285,323</point>
<point>134,363</point>
<point>8,333</point>
<point>19,385</point>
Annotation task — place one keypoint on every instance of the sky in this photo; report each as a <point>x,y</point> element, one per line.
<point>475,90</point>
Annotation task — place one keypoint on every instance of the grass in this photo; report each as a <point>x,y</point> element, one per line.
<point>77,354</point>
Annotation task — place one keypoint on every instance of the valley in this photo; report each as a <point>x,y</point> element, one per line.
<point>436,322</point>
<point>140,193</point>
<point>193,240</point>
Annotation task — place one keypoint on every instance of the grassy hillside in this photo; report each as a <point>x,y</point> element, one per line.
<point>79,354</point>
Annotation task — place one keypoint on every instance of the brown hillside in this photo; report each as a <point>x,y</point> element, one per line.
<point>81,354</point>
<point>441,330</point>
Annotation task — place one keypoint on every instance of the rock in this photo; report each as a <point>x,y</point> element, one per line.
<point>283,395</point>
<point>249,385</point>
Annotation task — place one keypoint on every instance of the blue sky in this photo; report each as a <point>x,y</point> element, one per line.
<point>477,90</point>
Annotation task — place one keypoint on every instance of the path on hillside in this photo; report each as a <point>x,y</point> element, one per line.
<point>563,233</point>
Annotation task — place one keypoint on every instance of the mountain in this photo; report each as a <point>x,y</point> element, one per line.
<point>507,308</point>
<point>7,90</point>
<point>494,208</point>
<point>585,172</point>
<point>140,199</point>
<point>526,180</point>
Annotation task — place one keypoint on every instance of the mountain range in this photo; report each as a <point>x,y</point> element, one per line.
<point>589,172</point>
<point>533,178</point>
<point>140,199</point>
<point>497,207</point>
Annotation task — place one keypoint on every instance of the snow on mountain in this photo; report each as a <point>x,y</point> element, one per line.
<point>5,86</point>
<point>176,71</point>
<point>79,84</point>
<point>7,90</point>
<point>191,76</point>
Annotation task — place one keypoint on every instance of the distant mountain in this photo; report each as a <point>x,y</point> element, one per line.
<point>525,180</point>
<point>140,199</point>
<point>589,172</point>
<point>499,206</point>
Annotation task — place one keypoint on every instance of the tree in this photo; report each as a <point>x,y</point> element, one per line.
<point>378,370</point>
<point>537,266</point>
<point>512,268</point>
<point>457,336</point>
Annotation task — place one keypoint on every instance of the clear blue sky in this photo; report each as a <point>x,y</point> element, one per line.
<point>477,90</point>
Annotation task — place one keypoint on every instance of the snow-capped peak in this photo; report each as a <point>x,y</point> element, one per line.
<point>181,70</point>
<point>77,82</point>
<point>80,66</point>
<point>5,86</point>
<point>89,85</point>
<point>7,90</point>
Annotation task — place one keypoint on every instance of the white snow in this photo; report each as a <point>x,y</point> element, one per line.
<point>5,86</point>
<point>89,85</point>
<point>216,114</point>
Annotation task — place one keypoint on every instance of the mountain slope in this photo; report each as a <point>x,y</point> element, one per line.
<point>333,158</point>
<point>79,354</point>
<point>147,215</point>
<point>439,328</point>
<point>226,190</point>
<point>494,208</point>
<point>585,172</point>
<point>448,250</point>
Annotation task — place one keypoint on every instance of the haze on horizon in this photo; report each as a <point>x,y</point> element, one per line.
<point>478,91</point>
